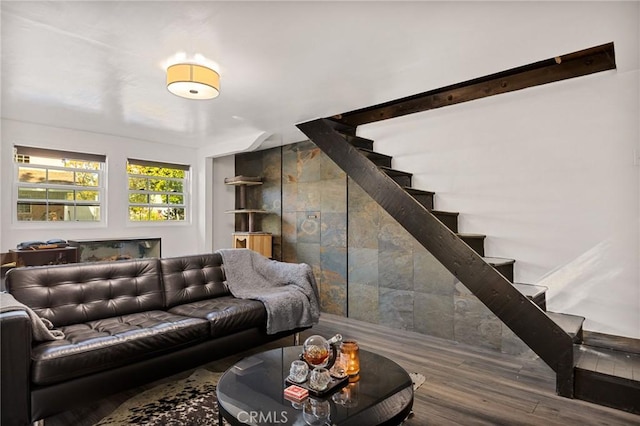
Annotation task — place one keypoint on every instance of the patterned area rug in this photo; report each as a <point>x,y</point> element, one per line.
<point>190,401</point>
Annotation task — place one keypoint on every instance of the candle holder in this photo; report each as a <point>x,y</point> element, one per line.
<point>351,353</point>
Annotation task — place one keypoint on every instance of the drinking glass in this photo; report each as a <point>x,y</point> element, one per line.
<point>316,412</point>
<point>319,379</point>
<point>298,371</point>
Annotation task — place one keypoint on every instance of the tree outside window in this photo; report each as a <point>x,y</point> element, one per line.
<point>157,191</point>
<point>54,185</point>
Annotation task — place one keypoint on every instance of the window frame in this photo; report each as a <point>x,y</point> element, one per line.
<point>185,194</point>
<point>22,152</point>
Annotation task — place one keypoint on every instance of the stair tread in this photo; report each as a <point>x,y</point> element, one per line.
<point>470,235</point>
<point>394,172</point>
<point>610,341</point>
<point>414,191</point>
<point>530,290</point>
<point>356,138</point>
<point>611,362</point>
<point>497,261</point>
<point>572,324</point>
<point>372,152</point>
<point>445,212</point>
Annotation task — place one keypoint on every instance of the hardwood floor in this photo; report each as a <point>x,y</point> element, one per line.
<point>464,385</point>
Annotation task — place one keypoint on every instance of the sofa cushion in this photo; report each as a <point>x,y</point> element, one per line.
<point>191,278</point>
<point>104,344</point>
<point>226,314</point>
<point>82,292</point>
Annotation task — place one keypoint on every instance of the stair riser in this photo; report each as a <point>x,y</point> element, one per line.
<point>602,389</point>
<point>450,221</point>
<point>477,244</point>
<point>379,160</point>
<point>359,142</point>
<point>425,200</point>
<point>506,270</point>
<point>541,301</point>
<point>402,180</point>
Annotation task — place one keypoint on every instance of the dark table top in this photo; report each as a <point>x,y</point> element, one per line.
<point>251,392</point>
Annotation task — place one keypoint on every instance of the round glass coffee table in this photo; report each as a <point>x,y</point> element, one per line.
<point>252,393</point>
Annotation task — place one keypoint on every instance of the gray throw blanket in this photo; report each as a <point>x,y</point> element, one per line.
<point>287,290</point>
<point>42,328</point>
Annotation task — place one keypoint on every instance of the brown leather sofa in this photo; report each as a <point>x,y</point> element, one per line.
<point>125,323</point>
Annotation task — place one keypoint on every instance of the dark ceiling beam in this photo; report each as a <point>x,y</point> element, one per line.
<point>577,64</point>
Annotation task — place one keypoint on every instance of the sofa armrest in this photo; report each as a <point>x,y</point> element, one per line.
<point>15,358</point>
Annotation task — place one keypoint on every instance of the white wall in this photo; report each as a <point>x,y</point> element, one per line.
<point>224,198</point>
<point>177,239</point>
<point>547,173</point>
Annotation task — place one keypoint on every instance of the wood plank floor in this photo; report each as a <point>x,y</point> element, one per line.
<point>464,385</point>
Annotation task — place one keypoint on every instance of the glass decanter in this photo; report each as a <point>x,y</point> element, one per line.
<point>320,352</point>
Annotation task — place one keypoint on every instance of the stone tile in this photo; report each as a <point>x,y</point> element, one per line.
<point>333,229</point>
<point>333,299</point>
<point>301,162</point>
<point>271,198</point>
<point>272,166</point>
<point>333,263</point>
<point>290,197</point>
<point>396,308</point>
<point>249,163</point>
<point>433,314</point>
<point>359,200</point>
<point>395,269</point>
<point>309,196</point>
<point>392,236</point>
<point>290,226</point>
<point>309,253</point>
<point>363,228</point>
<point>329,169</point>
<point>475,324</point>
<point>308,227</point>
<point>308,164</point>
<point>363,266</point>
<point>363,302</point>
<point>271,223</point>
<point>290,164</point>
<point>289,252</point>
<point>333,196</point>
<point>305,145</point>
<point>430,276</point>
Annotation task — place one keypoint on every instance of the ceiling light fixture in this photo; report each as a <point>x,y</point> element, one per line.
<point>193,81</point>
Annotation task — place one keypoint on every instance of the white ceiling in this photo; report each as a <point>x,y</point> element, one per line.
<point>99,66</point>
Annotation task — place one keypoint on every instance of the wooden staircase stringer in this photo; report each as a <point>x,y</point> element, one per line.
<point>546,339</point>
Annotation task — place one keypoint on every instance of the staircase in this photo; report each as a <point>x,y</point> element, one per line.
<point>557,338</point>
<point>583,370</point>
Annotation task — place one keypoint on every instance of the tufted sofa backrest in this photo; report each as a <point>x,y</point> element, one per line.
<point>192,278</point>
<point>77,293</point>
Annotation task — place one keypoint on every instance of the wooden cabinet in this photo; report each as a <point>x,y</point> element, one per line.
<point>256,241</point>
<point>51,256</point>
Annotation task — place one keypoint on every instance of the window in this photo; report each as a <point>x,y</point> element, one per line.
<point>157,191</point>
<point>58,185</point>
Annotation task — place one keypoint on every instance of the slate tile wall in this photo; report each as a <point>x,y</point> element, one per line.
<point>367,266</point>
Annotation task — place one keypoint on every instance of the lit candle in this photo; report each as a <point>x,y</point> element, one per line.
<point>350,351</point>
